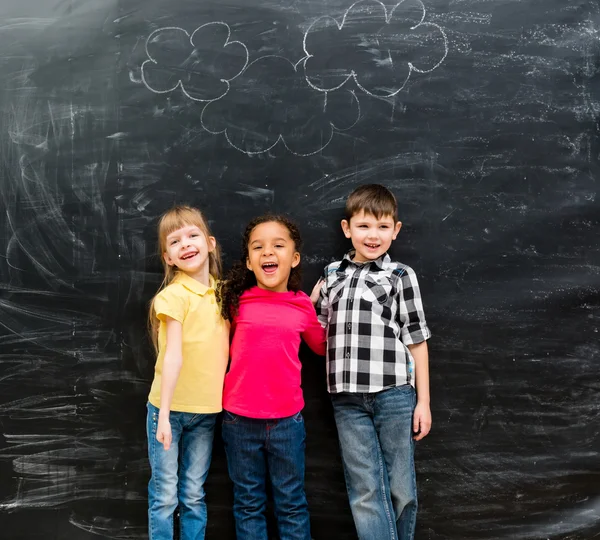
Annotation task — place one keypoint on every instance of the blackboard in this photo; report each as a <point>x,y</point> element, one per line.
<point>481,115</point>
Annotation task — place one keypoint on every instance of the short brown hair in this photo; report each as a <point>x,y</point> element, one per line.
<point>373,199</point>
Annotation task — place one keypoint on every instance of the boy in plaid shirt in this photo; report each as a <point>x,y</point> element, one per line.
<point>376,358</point>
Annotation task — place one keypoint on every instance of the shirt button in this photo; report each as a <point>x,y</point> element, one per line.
<point>348,355</point>
<point>349,326</point>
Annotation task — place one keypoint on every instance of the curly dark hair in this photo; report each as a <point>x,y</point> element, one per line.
<point>240,279</point>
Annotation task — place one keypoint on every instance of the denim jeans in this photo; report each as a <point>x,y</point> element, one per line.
<point>257,449</point>
<point>178,474</point>
<point>375,432</point>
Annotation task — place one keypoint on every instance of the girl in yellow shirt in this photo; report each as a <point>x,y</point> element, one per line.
<point>192,342</point>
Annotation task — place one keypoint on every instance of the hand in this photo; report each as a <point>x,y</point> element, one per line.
<point>163,431</point>
<point>421,421</point>
<point>314,295</point>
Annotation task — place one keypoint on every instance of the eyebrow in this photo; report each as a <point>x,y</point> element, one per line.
<point>191,230</point>
<point>274,240</point>
<point>376,223</point>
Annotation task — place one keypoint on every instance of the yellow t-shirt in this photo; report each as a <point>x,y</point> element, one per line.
<point>205,334</point>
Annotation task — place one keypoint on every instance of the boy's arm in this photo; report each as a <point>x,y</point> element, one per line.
<point>414,334</point>
<point>422,414</point>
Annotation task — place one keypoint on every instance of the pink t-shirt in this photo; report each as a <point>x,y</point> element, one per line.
<point>263,380</point>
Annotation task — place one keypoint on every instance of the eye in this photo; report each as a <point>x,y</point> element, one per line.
<point>256,248</point>
<point>194,235</point>
<point>385,226</point>
<point>279,245</point>
<point>173,242</point>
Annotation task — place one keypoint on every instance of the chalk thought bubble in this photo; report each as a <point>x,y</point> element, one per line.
<point>377,48</point>
<point>201,64</point>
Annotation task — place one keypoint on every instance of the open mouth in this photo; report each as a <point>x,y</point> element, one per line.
<point>270,268</point>
<point>372,246</point>
<point>189,256</point>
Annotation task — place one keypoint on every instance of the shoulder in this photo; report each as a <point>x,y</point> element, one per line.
<point>398,270</point>
<point>302,301</point>
<point>331,268</point>
<point>331,275</point>
<point>173,290</point>
<point>302,298</point>
<point>401,275</point>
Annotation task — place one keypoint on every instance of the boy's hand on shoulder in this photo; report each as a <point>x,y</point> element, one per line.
<point>421,421</point>
<point>314,295</point>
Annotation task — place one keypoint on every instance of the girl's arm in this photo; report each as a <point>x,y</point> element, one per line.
<point>422,415</point>
<point>171,367</point>
<point>314,334</point>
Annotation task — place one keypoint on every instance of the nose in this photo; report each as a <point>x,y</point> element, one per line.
<point>267,250</point>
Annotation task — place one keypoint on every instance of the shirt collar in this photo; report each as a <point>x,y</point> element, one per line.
<point>193,284</point>
<point>378,263</point>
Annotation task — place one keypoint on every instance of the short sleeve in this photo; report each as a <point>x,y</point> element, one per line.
<point>170,303</point>
<point>411,314</point>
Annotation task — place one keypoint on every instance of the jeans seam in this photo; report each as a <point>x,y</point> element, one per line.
<point>153,478</point>
<point>413,474</point>
<point>391,524</point>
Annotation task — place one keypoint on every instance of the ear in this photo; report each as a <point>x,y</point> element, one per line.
<point>296,259</point>
<point>346,228</point>
<point>168,259</point>
<point>212,243</point>
<point>397,228</point>
<point>248,265</point>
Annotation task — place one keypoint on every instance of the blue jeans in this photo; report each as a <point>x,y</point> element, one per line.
<point>377,446</point>
<point>178,474</point>
<point>257,449</point>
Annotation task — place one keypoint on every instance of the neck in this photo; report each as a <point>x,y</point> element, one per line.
<point>202,275</point>
<point>282,287</point>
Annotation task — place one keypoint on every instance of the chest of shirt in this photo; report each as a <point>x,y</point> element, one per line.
<point>360,289</point>
<point>203,319</point>
<point>271,318</point>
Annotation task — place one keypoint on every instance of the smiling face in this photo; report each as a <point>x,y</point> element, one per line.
<point>371,237</point>
<point>272,255</point>
<point>187,249</point>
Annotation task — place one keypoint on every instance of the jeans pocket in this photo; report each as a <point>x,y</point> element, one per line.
<point>230,418</point>
<point>152,418</point>
<point>298,418</point>
<point>407,393</point>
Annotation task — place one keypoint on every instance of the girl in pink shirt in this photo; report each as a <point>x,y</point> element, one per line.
<point>263,428</point>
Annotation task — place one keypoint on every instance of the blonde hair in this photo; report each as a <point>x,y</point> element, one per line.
<point>172,220</point>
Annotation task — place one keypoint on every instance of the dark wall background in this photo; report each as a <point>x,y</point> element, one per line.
<point>481,115</point>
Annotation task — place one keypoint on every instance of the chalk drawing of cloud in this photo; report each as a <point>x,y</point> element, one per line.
<point>201,64</point>
<point>270,104</point>
<point>377,48</point>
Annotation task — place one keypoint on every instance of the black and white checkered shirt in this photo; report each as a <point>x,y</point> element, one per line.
<point>372,312</point>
